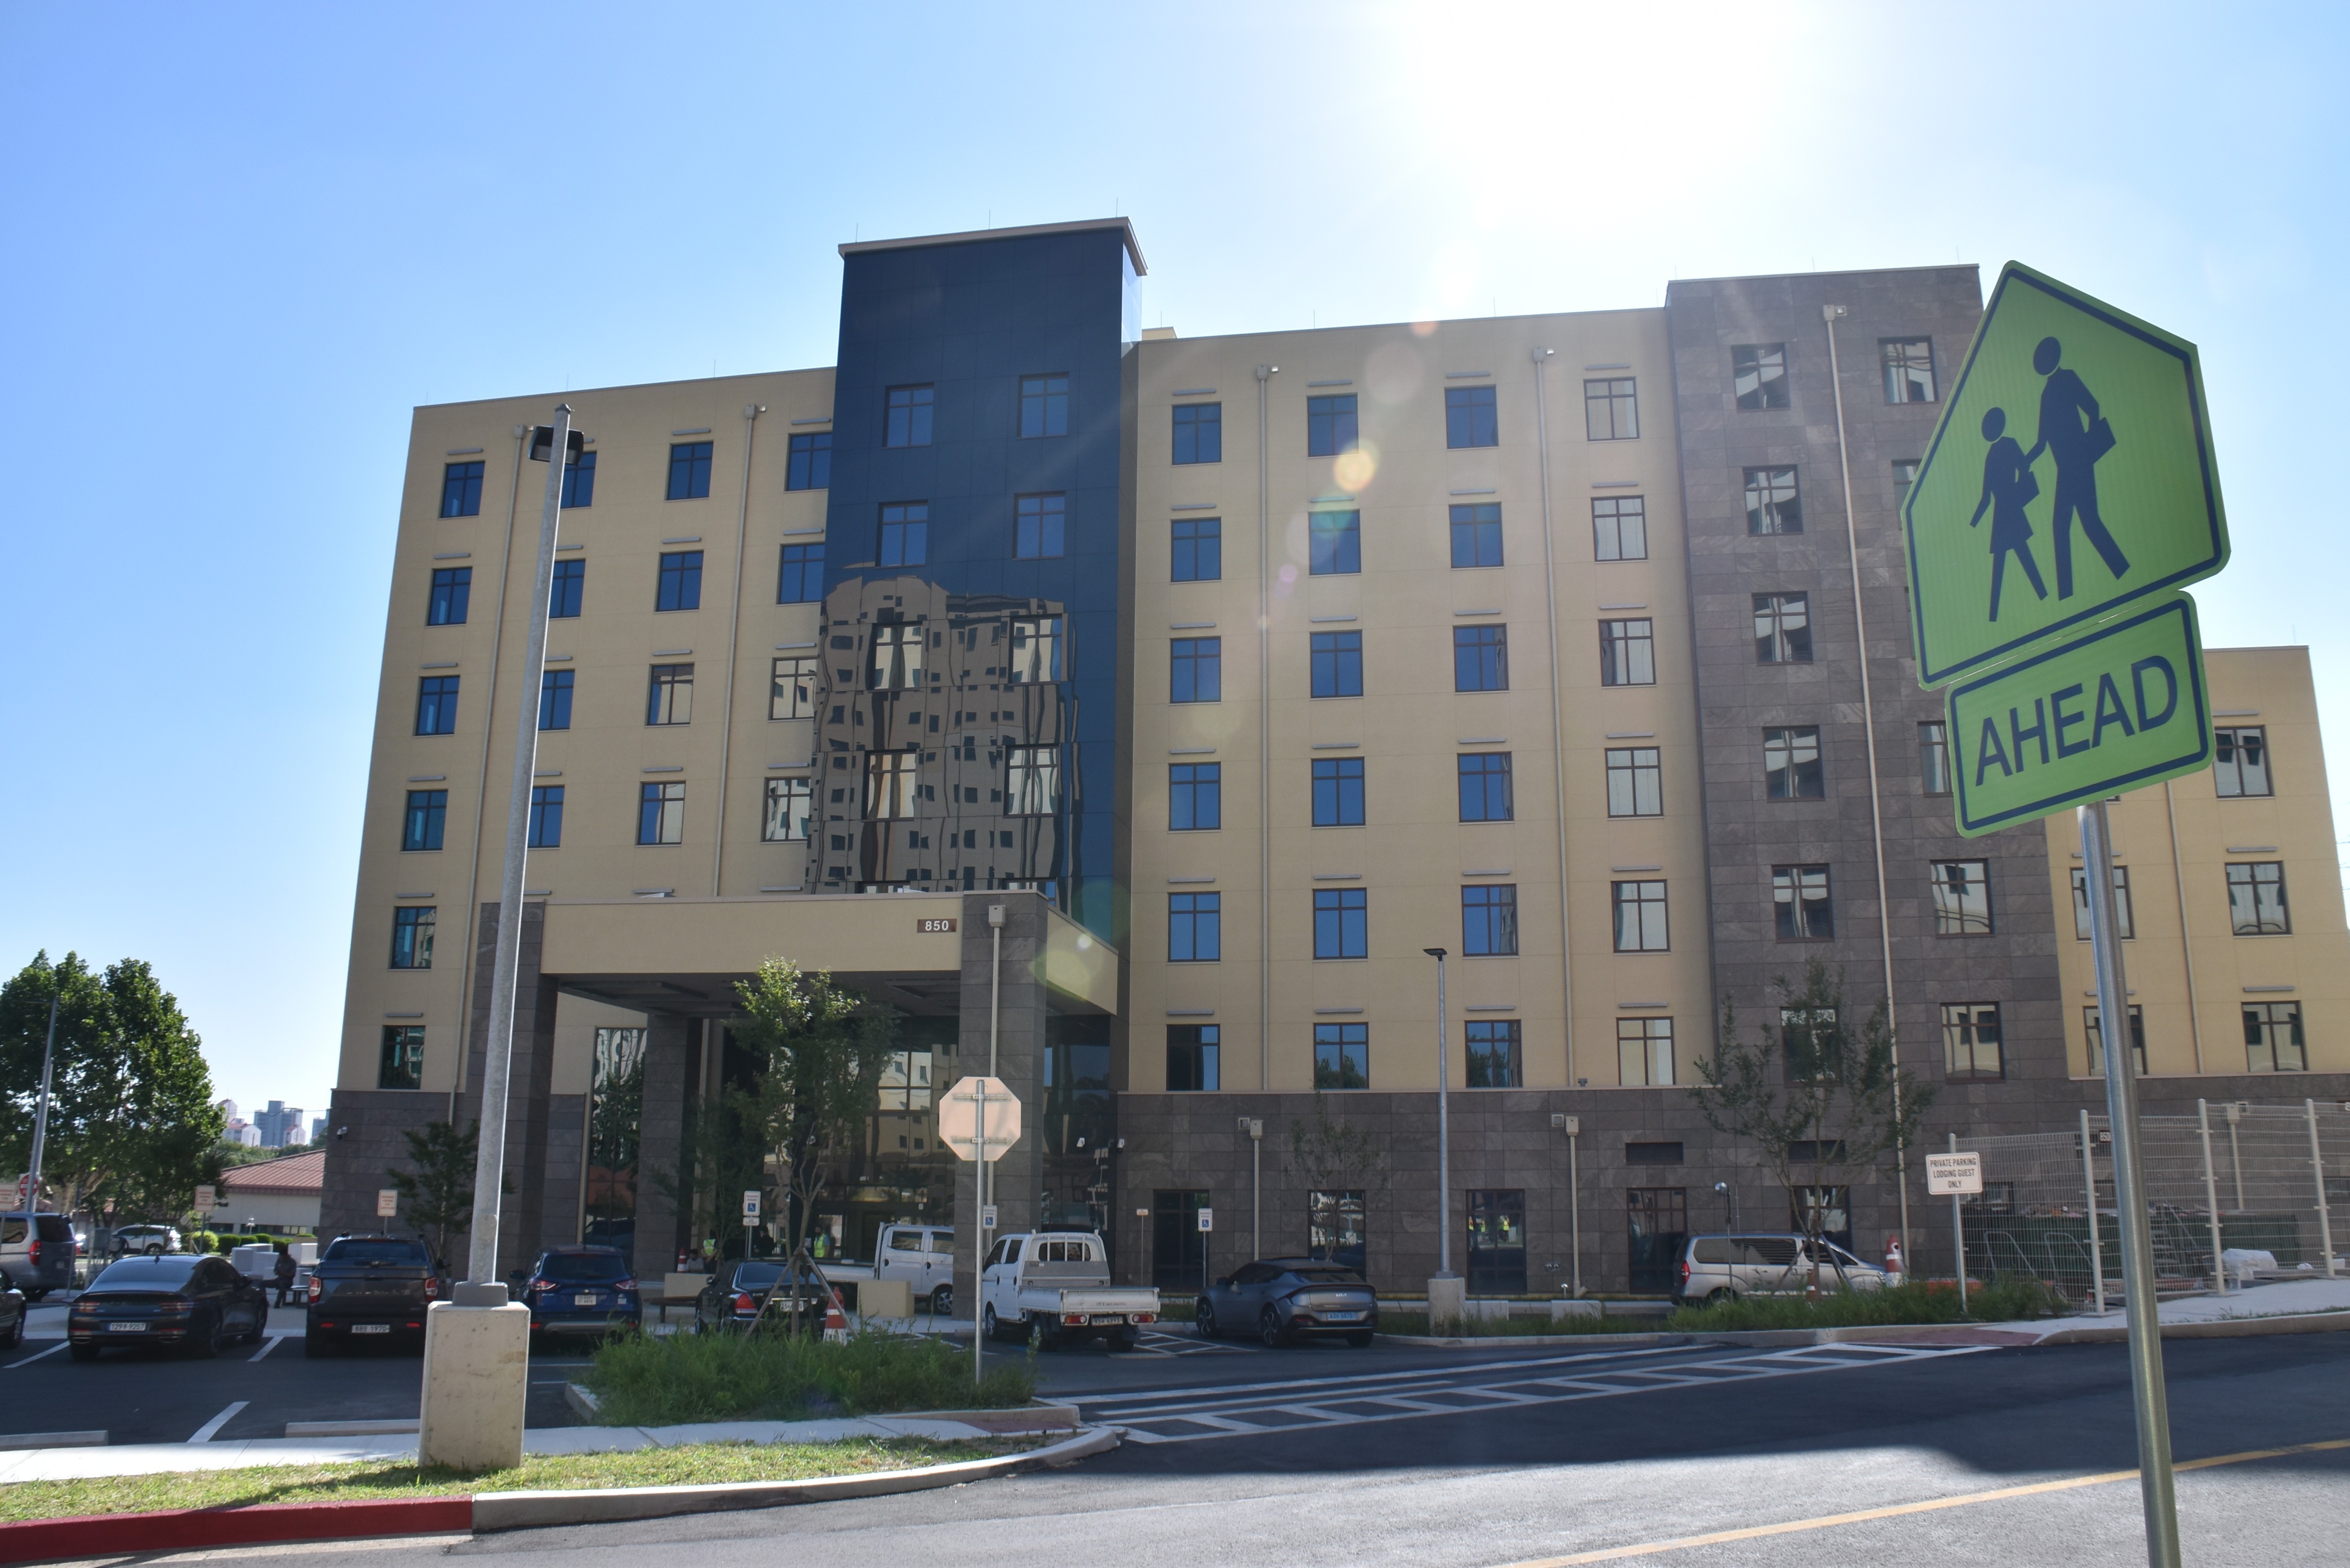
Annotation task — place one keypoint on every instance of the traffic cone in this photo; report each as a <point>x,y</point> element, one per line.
<point>836,1321</point>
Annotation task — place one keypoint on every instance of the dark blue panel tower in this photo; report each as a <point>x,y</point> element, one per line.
<point>966,735</point>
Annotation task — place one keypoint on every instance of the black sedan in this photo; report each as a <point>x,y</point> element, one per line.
<point>732,1298</point>
<point>196,1304</point>
<point>1281,1299</point>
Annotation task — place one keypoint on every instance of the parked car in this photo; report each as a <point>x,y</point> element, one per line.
<point>151,1240</point>
<point>1282,1299</point>
<point>582,1290</point>
<point>921,1255</point>
<point>368,1286</point>
<point>732,1298</point>
<point>37,1252</point>
<point>1770,1264</point>
<point>1054,1287</point>
<point>199,1304</point>
<point>13,1308</point>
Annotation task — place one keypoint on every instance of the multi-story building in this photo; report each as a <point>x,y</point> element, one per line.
<point>278,1125</point>
<point>1237,672</point>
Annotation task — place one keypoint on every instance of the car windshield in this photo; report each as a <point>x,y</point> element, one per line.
<point>583,1268</point>
<point>1328,1276</point>
<point>145,1274</point>
<point>378,1252</point>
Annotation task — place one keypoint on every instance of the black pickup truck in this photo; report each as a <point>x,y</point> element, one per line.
<point>369,1287</point>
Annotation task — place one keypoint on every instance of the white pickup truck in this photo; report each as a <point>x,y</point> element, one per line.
<point>921,1255</point>
<point>1055,1286</point>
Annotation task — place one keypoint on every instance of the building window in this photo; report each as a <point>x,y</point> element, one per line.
<point>1197,671</point>
<point>1480,659</point>
<point>1337,663</point>
<point>1783,628</point>
<point>1799,897</point>
<point>1905,474</point>
<point>1497,1240</point>
<point>436,705</point>
<point>1489,921</point>
<point>907,421</point>
<point>2122,914</point>
<point>668,695</point>
<point>1035,651</point>
<point>810,466</point>
<point>2242,761</point>
<point>1628,653</point>
<point>1635,782</point>
<point>1031,781</point>
<point>1485,792</point>
<point>791,690</point>
<point>1199,433</point>
<point>681,581</point>
<point>1493,1053</point>
<point>1337,792</point>
<point>1791,764</point>
<point>1195,796</point>
<point>1470,418</point>
<point>1826,1211</point>
<point>1040,526</point>
<point>451,588</point>
<point>1192,1051</point>
<point>1335,1227</point>
<point>1644,1051</point>
<point>1934,756</point>
<point>689,470</point>
<point>1759,374</point>
<point>554,699</point>
<point>790,802</point>
<point>1195,928</point>
<point>1772,505</point>
<point>428,812</point>
<point>2272,1038</point>
<point>661,814</point>
<point>1619,528</point>
<point>1611,408</point>
<point>1342,1056</point>
<point>1970,1042</point>
<point>579,481</point>
<point>1961,897</point>
<point>1640,924</point>
<point>1198,544</point>
<point>411,936</point>
<point>1477,535</point>
<point>1909,369</point>
<point>799,580</point>
<point>570,583</point>
<point>1341,923</point>
<point>2093,1021</point>
<point>1043,406</point>
<point>1334,544</point>
<point>893,784</point>
<point>1330,427</point>
<point>402,1065</point>
<point>2256,906</point>
<point>461,490</point>
<point>545,830</point>
<point>905,534</point>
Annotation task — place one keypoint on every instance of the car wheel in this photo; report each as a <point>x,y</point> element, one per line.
<point>1719,1296</point>
<point>987,1324</point>
<point>15,1335</point>
<point>36,1296</point>
<point>1268,1329</point>
<point>205,1342</point>
<point>1205,1318</point>
<point>1360,1339</point>
<point>82,1351</point>
<point>942,1302</point>
<point>154,1248</point>
<point>1126,1339</point>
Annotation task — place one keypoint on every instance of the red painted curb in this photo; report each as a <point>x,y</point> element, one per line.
<point>177,1529</point>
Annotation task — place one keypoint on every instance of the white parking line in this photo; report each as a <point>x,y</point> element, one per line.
<point>266,1346</point>
<point>205,1433</point>
<point>36,1356</point>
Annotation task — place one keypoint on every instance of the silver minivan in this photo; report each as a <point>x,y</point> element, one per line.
<point>36,1253</point>
<point>1723,1268</point>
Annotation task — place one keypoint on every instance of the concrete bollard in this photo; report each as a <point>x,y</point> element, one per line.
<point>476,1383</point>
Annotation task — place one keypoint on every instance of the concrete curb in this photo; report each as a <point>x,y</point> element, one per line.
<point>2213,1328</point>
<point>1893,1333</point>
<point>1508,1340</point>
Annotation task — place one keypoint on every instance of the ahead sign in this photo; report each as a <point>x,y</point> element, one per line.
<point>959,1117</point>
<point>1954,1175</point>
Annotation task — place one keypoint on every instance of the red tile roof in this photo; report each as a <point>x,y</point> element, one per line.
<point>294,1173</point>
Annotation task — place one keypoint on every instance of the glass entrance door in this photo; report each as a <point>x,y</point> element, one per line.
<point>1178,1247</point>
<point>1657,1221</point>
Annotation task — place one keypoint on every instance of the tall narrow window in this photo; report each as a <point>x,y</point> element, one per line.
<point>1196,670</point>
<point>453,587</point>
<point>791,690</point>
<point>1197,545</point>
<point>1195,928</point>
<point>2241,761</point>
<point>1619,528</point>
<point>1199,433</point>
<point>1635,785</point>
<point>1611,408</point>
<point>1337,663</point>
<point>1909,369</point>
<point>1970,1042</point>
<point>570,585</point>
<point>1799,897</point>
<point>1773,504</point>
<point>427,814</point>
<point>2256,906</point>
<point>554,699</point>
<point>789,804</point>
<point>1335,542</point>
<point>1031,781</point>
<point>436,705</point>
<point>1330,427</point>
<point>1040,526</point>
<point>545,828</point>
<point>461,490</point>
<point>1195,796</point>
<point>897,661</point>
<point>1341,923</point>
<point>689,471</point>
<point>799,577</point>
<point>411,936</point>
<point>1480,659</point>
<point>2272,1038</point>
<point>679,587</point>
<point>906,416</point>
<point>1477,535</point>
<point>1791,764</point>
<point>810,466</point>
<point>2094,1022</point>
<point>1783,628</point>
<point>1342,1056</point>
<point>1485,786</point>
<point>1337,792</point>
<point>1192,1050</point>
<point>1494,1053</point>
<point>1759,375</point>
<point>1043,406</point>
<point>579,480</point>
<point>1035,651</point>
<point>2123,916</point>
<point>1640,924</point>
<point>1934,757</point>
<point>905,534</point>
<point>402,1065</point>
<point>1489,921</point>
<point>1644,1051</point>
<point>669,694</point>
<point>661,814</point>
<point>1961,897</point>
<point>1470,418</point>
<point>1628,653</point>
<point>893,784</point>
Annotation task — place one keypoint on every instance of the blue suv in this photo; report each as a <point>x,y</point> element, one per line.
<point>582,1290</point>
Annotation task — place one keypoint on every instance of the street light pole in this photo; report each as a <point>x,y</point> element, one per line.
<point>41,1120</point>
<point>1446,1296</point>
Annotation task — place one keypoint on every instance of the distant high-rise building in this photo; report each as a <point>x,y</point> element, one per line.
<point>229,1109</point>
<point>279,1124</point>
<point>317,1128</point>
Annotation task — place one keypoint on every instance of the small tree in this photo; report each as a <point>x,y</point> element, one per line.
<point>1334,1156</point>
<point>1815,1094</point>
<point>439,1193</point>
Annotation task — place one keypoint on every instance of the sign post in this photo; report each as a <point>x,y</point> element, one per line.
<point>1207,1229</point>
<point>1961,1176</point>
<point>979,1118</point>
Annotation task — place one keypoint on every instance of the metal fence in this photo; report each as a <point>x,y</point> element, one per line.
<point>2223,1187</point>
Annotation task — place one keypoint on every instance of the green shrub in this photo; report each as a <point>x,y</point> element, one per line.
<point>2001,1300</point>
<point>664,1380</point>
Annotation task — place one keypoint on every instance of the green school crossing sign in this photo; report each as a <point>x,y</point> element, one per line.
<point>2068,492</point>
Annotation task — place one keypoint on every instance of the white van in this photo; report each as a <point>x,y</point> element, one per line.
<point>1723,1268</point>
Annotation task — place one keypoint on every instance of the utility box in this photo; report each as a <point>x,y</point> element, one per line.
<point>885,1299</point>
<point>255,1259</point>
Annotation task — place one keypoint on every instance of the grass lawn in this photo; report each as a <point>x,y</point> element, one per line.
<point>646,1381</point>
<point>691,1465</point>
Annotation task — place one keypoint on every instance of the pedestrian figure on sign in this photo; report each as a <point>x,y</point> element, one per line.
<point>2007,487</point>
<point>2071,429</point>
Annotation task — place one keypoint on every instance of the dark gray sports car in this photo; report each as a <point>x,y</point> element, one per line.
<point>1283,1300</point>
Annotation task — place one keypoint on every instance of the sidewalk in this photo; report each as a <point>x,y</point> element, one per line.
<point>2283,1299</point>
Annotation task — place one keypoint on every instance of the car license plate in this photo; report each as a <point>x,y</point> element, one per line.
<point>1102,1317</point>
<point>1342,1316</point>
<point>126,1328</point>
<point>370,1328</point>
<point>588,1299</point>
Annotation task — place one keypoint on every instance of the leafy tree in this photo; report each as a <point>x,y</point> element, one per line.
<point>1334,1156</point>
<point>439,1193</point>
<point>1815,1094</point>
<point>131,1118</point>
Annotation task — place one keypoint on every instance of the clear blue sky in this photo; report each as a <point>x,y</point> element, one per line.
<point>242,241</point>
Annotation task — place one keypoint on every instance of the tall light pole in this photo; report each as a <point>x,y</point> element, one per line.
<point>41,1118</point>
<point>1446,1296</point>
